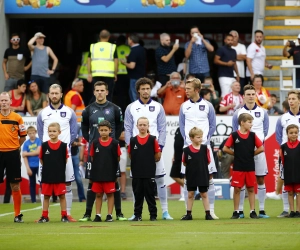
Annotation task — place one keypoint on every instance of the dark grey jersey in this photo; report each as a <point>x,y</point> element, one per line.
<point>93,114</point>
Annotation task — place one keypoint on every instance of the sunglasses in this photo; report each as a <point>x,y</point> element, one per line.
<point>31,82</point>
<point>15,39</point>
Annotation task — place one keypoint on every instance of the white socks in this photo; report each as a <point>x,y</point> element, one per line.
<point>211,195</point>
<point>285,200</point>
<point>69,198</point>
<point>162,193</point>
<point>261,195</point>
<point>242,199</point>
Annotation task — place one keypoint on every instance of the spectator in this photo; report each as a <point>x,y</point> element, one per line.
<point>103,63</point>
<point>262,94</point>
<point>241,55</point>
<point>122,84</point>
<point>214,96</point>
<point>295,52</point>
<point>225,58</point>
<point>165,60</point>
<point>14,61</point>
<point>17,97</point>
<point>196,51</point>
<point>74,100</point>
<point>272,109</point>
<point>206,94</point>
<point>256,56</point>
<point>136,64</point>
<point>189,76</point>
<point>232,101</point>
<point>40,61</point>
<point>173,93</point>
<point>35,99</point>
<point>285,106</point>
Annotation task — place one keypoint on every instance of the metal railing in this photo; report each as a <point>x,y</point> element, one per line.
<point>283,89</point>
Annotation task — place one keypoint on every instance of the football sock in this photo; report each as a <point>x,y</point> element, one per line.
<point>45,214</point>
<point>17,196</point>
<point>261,194</point>
<point>182,192</point>
<point>90,199</point>
<point>285,200</point>
<point>207,212</point>
<point>242,199</point>
<point>117,198</point>
<point>64,213</point>
<point>162,193</point>
<point>42,200</point>
<point>188,212</point>
<point>186,194</point>
<point>211,195</point>
<point>69,198</point>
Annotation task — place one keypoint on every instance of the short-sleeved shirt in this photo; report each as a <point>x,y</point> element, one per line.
<point>173,100</point>
<point>30,146</point>
<point>36,104</point>
<point>16,59</point>
<point>198,61</point>
<point>164,68</point>
<point>240,50</point>
<point>258,56</point>
<point>226,54</point>
<point>53,146</point>
<point>143,140</point>
<point>104,144</point>
<point>11,127</point>
<point>229,143</point>
<point>295,52</point>
<point>137,55</point>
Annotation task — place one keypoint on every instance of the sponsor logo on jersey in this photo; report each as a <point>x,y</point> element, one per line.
<point>137,109</point>
<point>49,115</point>
<point>135,147</point>
<point>237,140</point>
<point>63,114</point>
<point>47,152</point>
<point>94,111</point>
<point>257,114</point>
<point>97,150</point>
<point>201,107</point>
<point>151,108</point>
<point>106,111</point>
<point>188,108</point>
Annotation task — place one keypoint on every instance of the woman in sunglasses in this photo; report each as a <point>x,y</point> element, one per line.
<point>35,99</point>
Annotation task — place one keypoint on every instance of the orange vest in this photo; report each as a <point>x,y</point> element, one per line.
<point>264,92</point>
<point>68,103</point>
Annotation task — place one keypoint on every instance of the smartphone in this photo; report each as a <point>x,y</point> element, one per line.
<point>205,85</point>
<point>177,41</point>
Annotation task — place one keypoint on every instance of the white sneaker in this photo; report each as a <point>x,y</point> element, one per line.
<point>214,216</point>
<point>273,196</point>
<point>181,199</point>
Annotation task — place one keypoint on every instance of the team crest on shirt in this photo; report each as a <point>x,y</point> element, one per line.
<point>151,108</point>
<point>63,114</point>
<point>106,111</point>
<point>201,107</point>
<point>257,114</point>
<point>13,128</point>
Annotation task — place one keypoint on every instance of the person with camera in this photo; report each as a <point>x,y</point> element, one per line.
<point>173,93</point>
<point>196,51</point>
<point>295,52</point>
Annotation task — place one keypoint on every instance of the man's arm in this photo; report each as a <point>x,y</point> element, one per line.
<point>161,127</point>
<point>162,90</point>
<point>40,126</point>
<point>266,123</point>
<point>212,121</point>
<point>128,124</point>
<point>235,123</point>
<point>119,122</point>
<point>73,127</point>
<point>284,51</point>
<point>182,122</point>
<point>236,72</point>
<point>21,140</point>
<point>207,44</point>
<point>217,60</point>
<point>278,131</point>
<point>89,68</point>
<point>6,75</point>
<point>116,62</point>
<point>168,57</point>
<point>85,124</point>
<point>31,42</point>
<point>130,65</point>
<point>54,58</point>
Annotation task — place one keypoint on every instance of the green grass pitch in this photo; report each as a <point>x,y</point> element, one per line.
<point>272,233</point>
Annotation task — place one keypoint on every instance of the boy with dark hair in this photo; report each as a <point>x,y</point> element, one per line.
<point>104,170</point>
<point>31,150</point>
<point>246,145</point>
<point>196,158</point>
<point>53,157</point>
<point>144,151</point>
<point>289,153</point>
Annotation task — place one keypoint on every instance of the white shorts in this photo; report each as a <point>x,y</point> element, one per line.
<point>211,167</point>
<point>69,170</point>
<point>160,167</point>
<point>123,160</point>
<point>261,167</point>
<point>225,85</point>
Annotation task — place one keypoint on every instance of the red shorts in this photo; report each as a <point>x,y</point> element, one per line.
<point>104,187</point>
<point>56,188</point>
<point>240,178</point>
<point>295,187</point>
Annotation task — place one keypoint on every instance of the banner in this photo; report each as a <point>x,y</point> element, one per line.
<point>127,6</point>
<point>223,130</point>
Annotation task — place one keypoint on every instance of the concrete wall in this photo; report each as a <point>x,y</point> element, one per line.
<point>259,15</point>
<point>4,42</point>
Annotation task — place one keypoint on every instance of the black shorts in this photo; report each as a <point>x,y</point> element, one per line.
<point>202,189</point>
<point>176,170</point>
<point>10,161</point>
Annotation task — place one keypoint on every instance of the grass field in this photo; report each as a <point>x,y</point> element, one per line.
<point>272,233</point>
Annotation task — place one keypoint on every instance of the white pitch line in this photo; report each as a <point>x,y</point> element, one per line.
<point>254,233</point>
<point>26,210</point>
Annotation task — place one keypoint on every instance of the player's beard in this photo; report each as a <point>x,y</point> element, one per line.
<point>55,102</point>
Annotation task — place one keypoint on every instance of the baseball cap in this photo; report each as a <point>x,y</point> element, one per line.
<point>39,34</point>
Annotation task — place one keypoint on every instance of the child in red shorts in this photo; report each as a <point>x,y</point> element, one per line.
<point>105,156</point>
<point>53,157</point>
<point>289,153</point>
<point>246,145</point>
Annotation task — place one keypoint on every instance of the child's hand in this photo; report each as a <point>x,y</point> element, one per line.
<point>29,172</point>
<point>24,154</point>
